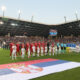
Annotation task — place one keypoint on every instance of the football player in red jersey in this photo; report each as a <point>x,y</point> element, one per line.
<point>38,50</point>
<point>27,46</point>
<point>11,44</point>
<point>31,50</point>
<point>35,45</point>
<point>43,45</point>
<point>39,44</point>
<point>52,44</point>
<point>18,48</point>
<point>22,45</point>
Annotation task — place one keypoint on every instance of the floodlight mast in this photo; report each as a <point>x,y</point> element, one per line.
<point>3,10</point>
<point>19,12</point>
<point>65,18</point>
<point>32,18</point>
<point>76,14</point>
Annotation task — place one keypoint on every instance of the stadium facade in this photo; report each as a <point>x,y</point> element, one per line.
<point>20,28</point>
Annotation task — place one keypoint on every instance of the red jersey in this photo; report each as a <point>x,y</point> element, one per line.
<point>39,44</point>
<point>11,44</point>
<point>52,44</point>
<point>18,47</point>
<point>27,45</point>
<point>43,44</point>
<point>35,46</point>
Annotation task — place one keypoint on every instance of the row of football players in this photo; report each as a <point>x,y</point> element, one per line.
<point>31,49</point>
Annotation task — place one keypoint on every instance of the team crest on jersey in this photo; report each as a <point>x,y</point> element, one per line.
<point>22,68</point>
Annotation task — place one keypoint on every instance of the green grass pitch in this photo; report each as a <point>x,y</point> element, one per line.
<point>73,74</point>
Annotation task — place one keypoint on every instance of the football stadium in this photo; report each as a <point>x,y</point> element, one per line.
<point>32,50</point>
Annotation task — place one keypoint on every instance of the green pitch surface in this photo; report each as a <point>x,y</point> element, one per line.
<point>73,74</point>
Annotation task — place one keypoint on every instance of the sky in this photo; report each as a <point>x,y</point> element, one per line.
<point>43,11</point>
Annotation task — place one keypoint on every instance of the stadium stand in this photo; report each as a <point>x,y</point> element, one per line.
<point>20,28</point>
<point>68,29</point>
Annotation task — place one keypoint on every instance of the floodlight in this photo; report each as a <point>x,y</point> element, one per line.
<point>3,8</point>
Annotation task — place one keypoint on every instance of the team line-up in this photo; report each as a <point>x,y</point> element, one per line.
<point>35,49</point>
